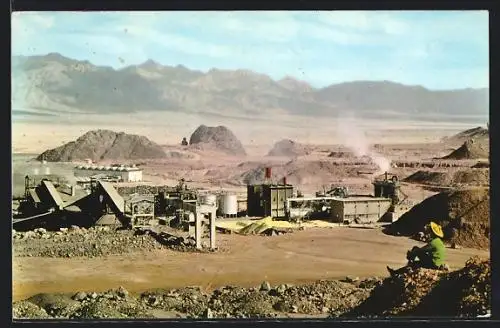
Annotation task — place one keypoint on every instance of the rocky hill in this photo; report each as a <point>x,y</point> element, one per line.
<point>54,83</point>
<point>477,133</point>
<point>465,177</point>
<point>218,138</point>
<point>288,148</point>
<point>104,145</point>
<point>464,215</point>
<point>471,149</point>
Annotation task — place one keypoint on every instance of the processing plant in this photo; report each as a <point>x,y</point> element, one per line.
<point>336,205</point>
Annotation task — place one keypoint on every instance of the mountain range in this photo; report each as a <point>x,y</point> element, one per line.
<point>54,83</point>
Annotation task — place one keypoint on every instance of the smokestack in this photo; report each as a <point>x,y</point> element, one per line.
<point>268,173</point>
<point>284,181</point>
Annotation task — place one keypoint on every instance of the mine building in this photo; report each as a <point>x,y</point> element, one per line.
<point>141,209</point>
<point>124,173</point>
<point>268,199</point>
<point>51,204</point>
<point>381,206</point>
<point>359,209</point>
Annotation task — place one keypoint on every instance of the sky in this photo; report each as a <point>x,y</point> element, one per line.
<point>435,49</point>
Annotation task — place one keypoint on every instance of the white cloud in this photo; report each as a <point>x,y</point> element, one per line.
<point>176,41</point>
<point>333,35</point>
<point>365,21</point>
<point>29,22</point>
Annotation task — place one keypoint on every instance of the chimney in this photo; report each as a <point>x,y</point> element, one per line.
<point>268,173</point>
<point>284,181</point>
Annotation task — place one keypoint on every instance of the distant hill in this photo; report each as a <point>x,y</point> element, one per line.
<point>54,83</point>
<point>105,145</point>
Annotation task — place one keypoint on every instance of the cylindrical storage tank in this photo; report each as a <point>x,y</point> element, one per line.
<point>46,170</point>
<point>229,204</point>
<point>189,216</point>
<point>36,171</point>
<point>209,199</point>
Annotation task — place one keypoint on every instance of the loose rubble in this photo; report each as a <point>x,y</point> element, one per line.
<point>265,301</point>
<point>94,242</point>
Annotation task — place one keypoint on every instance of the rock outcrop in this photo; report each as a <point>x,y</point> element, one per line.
<point>288,148</point>
<point>219,138</point>
<point>104,145</point>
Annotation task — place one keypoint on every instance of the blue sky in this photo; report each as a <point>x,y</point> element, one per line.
<point>435,49</point>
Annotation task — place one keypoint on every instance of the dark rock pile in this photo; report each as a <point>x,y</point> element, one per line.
<point>220,138</point>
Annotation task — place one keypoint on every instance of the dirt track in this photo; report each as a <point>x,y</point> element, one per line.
<point>243,260</point>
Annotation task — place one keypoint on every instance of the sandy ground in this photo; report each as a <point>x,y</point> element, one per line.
<point>171,127</point>
<point>303,256</point>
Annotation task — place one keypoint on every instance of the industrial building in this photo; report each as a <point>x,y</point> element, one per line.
<point>277,201</point>
<point>50,203</point>
<point>125,173</point>
<point>268,199</point>
<point>359,209</point>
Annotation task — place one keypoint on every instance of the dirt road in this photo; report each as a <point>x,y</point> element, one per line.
<point>302,256</point>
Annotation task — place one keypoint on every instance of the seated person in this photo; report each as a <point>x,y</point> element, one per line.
<point>430,256</point>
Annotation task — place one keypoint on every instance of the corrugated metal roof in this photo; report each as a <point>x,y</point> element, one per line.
<point>108,168</point>
<point>113,195</point>
<point>140,198</point>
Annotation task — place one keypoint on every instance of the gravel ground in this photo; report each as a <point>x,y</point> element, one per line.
<point>95,241</point>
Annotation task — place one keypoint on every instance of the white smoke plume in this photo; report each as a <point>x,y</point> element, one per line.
<point>351,134</point>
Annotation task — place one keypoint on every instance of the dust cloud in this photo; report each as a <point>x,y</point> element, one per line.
<point>351,135</point>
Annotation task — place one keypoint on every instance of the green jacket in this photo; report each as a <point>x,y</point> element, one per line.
<point>437,250</point>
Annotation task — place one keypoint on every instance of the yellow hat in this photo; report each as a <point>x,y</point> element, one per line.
<point>436,228</point>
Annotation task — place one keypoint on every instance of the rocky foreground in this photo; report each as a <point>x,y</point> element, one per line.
<point>462,293</point>
<point>322,298</point>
